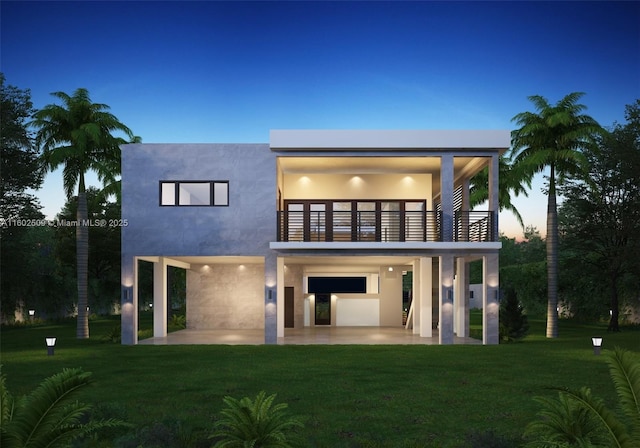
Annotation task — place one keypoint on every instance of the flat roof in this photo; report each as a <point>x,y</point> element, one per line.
<point>389,139</point>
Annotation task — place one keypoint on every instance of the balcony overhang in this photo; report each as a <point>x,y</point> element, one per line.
<point>368,140</point>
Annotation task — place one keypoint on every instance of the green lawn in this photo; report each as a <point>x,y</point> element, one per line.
<point>348,396</point>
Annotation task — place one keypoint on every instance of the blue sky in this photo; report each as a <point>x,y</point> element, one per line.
<point>230,71</point>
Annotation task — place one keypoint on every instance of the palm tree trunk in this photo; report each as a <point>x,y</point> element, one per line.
<point>82,258</point>
<point>615,306</point>
<point>552,258</point>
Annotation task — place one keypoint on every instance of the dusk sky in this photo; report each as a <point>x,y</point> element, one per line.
<point>229,72</point>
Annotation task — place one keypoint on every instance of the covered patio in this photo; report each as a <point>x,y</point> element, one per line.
<point>304,336</point>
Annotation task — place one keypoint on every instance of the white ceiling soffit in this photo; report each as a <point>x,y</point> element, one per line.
<point>372,165</point>
<point>303,260</point>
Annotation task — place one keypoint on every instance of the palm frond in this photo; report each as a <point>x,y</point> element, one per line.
<point>49,416</point>
<point>258,422</point>
<point>625,373</point>
<point>618,435</point>
<point>40,410</point>
<point>561,422</point>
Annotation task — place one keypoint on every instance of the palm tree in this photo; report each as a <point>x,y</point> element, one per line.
<point>78,136</point>
<point>553,137</point>
<point>511,181</point>
<point>112,183</point>
<point>50,416</point>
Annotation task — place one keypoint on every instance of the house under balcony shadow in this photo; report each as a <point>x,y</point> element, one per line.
<point>315,228</point>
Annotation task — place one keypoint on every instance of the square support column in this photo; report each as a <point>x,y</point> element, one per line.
<point>446,196</point>
<point>426,298</point>
<point>416,297</point>
<point>494,190</point>
<point>160,298</point>
<point>490,301</point>
<point>446,300</point>
<point>280,298</point>
<point>461,298</point>
<point>270,299</point>
<point>129,300</point>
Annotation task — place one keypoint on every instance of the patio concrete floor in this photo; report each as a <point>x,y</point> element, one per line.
<point>304,336</point>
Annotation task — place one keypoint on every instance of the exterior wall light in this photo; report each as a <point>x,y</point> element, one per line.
<point>32,313</point>
<point>597,345</point>
<point>51,344</point>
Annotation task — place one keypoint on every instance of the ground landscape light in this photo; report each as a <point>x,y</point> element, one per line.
<point>51,344</point>
<point>597,345</point>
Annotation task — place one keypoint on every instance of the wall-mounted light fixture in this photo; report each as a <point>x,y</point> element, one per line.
<point>390,268</point>
<point>51,344</point>
<point>597,345</point>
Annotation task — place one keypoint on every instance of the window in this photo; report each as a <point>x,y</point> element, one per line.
<point>194,193</point>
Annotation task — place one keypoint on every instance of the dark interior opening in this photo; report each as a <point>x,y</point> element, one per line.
<point>344,285</point>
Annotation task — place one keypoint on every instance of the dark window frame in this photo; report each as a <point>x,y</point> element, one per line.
<point>177,183</point>
<point>355,226</point>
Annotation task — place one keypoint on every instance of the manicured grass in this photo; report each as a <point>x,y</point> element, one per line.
<point>348,396</point>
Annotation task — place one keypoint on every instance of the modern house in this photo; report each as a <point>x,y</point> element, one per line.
<point>315,228</point>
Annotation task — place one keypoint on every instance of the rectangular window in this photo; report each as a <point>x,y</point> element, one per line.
<point>221,193</point>
<point>167,193</point>
<point>194,193</point>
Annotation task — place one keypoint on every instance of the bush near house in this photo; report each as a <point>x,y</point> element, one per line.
<point>514,324</point>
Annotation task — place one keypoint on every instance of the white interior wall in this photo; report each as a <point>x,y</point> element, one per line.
<point>362,186</point>
<point>384,293</point>
<point>293,277</point>
<point>391,296</point>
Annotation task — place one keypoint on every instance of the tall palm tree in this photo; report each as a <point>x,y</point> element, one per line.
<point>553,137</point>
<point>78,136</point>
<point>512,181</point>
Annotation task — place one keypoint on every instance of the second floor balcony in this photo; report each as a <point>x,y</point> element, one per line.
<point>384,226</point>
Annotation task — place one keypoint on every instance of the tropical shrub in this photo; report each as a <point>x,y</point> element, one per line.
<point>578,419</point>
<point>256,424</point>
<point>49,416</point>
<point>514,324</point>
<point>178,322</point>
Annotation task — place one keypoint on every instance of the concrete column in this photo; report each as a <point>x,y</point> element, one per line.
<point>446,300</point>
<point>461,298</point>
<point>160,298</point>
<point>415,296</point>
<point>490,303</point>
<point>426,299</point>
<point>494,189</point>
<point>129,300</point>
<point>465,208</point>
<point>270,299</point>
<point>280,298</point>
<point>446,196</point>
